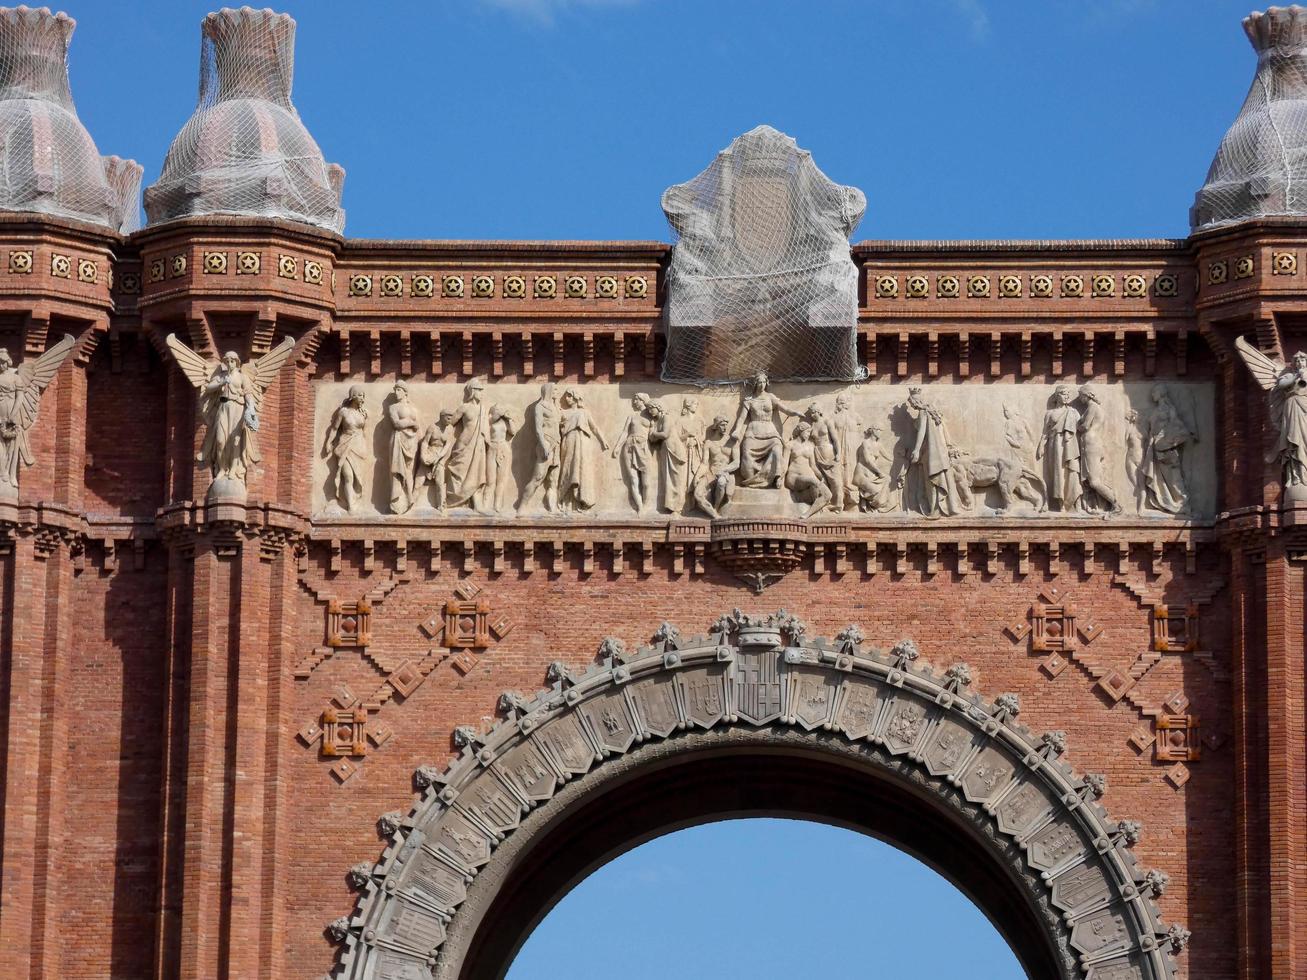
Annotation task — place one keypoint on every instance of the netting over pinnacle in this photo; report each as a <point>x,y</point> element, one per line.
<point>245,151</point>
<point>48,162</point>
<point>761,278</point>
<point>1260,167</point>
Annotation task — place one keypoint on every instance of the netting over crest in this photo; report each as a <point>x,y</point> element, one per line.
<point>761,278</point>
<point>48,162</point>
<point>244,150</point>
<point>1260,167</point>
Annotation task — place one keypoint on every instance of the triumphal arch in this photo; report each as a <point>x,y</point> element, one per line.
<point>359,597</point>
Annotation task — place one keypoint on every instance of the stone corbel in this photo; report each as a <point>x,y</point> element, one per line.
<point>374,353</point>
<point>528,355</point>
<point>261,336</point>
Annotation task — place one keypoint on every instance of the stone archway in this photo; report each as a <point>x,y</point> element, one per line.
<point>736,721</point>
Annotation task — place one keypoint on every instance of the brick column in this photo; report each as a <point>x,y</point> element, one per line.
<point>205,910</point>
<point>279,731</point>
<point>1286,757</point>
<point>1248,797</point>
<point>231,892</point>
<point>248,697</point>
<point>39,584</point>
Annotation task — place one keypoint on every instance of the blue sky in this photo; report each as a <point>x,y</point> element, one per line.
<point>567,118</point>
<point>764,900</point>
<point>558,119</point>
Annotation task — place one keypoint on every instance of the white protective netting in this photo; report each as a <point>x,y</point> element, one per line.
<point>244,150</point>
<point>48,161</point>
<point>1260,167</point>
<point>761,278</point>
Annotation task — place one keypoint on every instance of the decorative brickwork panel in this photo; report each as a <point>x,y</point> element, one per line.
<point>349,624</point>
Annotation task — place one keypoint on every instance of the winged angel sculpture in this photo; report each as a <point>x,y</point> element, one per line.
<point>20,397</point>
<point>231,395</point>
<point>1287,388</point>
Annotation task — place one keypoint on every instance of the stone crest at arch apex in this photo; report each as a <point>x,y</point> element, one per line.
<point>756,672</point>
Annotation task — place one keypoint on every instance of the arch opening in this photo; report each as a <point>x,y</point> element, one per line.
<point>733,774</point>
<point>755,718</point>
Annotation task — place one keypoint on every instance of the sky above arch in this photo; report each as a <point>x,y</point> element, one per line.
<point>566,119</point>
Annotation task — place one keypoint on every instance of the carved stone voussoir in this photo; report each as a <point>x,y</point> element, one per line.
<point>762,676</point>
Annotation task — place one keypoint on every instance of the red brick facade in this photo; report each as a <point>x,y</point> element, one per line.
<point>171,805</point>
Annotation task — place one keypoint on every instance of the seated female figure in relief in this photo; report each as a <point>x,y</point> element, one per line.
<point>760,444</point>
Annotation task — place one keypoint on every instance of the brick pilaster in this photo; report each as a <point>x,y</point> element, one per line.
<point>1286,755</point>
<point>40,581</point>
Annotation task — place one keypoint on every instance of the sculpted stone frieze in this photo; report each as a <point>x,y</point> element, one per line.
<point>879,451</point>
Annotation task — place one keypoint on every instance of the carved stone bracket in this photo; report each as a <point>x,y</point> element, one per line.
<point>760,552</point>
<point>888,709</point>
<point>275,528</point>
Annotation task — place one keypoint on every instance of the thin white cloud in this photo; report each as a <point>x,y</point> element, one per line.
<point>545,11</point>
<point>975,15</point>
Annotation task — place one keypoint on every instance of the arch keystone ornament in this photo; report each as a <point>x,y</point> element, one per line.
<point>758,684</point>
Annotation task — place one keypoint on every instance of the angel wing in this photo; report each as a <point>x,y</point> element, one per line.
<point>262,372</point>
<point>35,376</point>
<point>1264,370</point>
<point>197,369</point>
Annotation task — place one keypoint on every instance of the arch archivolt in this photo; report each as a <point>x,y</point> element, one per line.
<point>755,674</point>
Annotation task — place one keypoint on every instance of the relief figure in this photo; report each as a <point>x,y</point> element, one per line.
<point>958,466</point>
<point>433,454</point>
<point>938,493</point>
<point>403,450</point>
<point>578,476</point>
<point>848,430</point>
<point>681,439</point>
<point>800,468</point>
<point>873,481</point>
<point>1163,471</point>
<point>467,464</point>
<point>1134,458</point>
<point>1006,473</point>
<point>759,441</point>
<point>1096,495</point>
<point>499,461</point>
<point>717,479</point>
<point>1060,446</point>
<point>830,463</point>
<point>1016,432</point>
<point>635,458</point>
<point>346,445</point>
<point>544,464</point>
